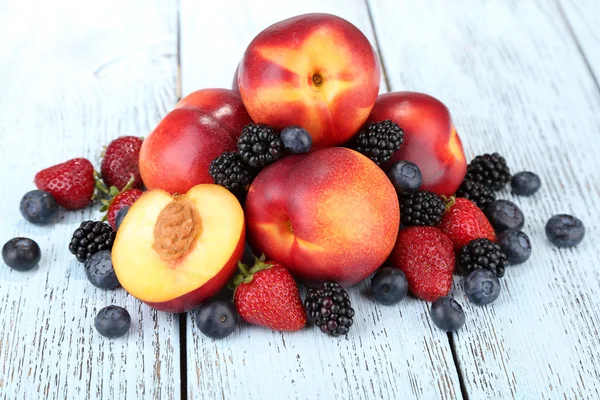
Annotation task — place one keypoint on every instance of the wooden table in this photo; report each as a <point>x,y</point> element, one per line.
<point>520,77</point>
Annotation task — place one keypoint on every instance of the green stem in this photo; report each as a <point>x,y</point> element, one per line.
<point>243,269</point>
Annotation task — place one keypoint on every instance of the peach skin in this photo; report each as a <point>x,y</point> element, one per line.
<point>430,139</point>
<point>176,155</point>
<point>317,71</point>
<point>331,214</point>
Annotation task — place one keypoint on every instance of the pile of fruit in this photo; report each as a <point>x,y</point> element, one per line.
<point>330,183</point>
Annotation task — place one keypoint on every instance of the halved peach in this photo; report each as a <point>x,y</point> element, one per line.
<point>174,251</point>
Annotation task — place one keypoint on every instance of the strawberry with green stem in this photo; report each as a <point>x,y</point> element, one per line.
<point>267,295</point>
<point>118,200</point>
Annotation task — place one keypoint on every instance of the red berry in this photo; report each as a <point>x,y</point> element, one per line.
<point>268,296</point>
<point>426,257</point>
<point>121,162</point>
<point>71,183</point>
<point>124,199</point>
<point>464,222</point>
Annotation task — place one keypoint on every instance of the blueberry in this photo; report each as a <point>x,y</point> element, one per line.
<point>525,183</point>
<point>565,230</point>
<point>516,245</point>
<point>296,139</point>
<point>447,314</point>
<point>112,322</point>
<point>21,254</point>
<point>217,318</point>
<point>120,216</point>
<point>39,207</point>
<point>482,287</point>
<point>504,214</point>
<point>405,176</point>
<point>99,270</point>
<point>389,286</point>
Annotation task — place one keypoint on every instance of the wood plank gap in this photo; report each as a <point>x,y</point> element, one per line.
<point>388,87</point>
<point>179,90</point>
<point>580,50</point>
<point>183,354</point>
<point>461,378</point>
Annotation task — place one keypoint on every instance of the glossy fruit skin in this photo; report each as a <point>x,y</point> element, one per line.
<point>217,318</point>
<point>100,272</point>
<point>315,70</point>
<point>447,314</point>
<point>21,254</point>
<point>525,183</point>
<point>176,156</point>
<point>120,216</point>
<point>405,176</point>
<point>427,258</point>
<point>271,299</point>
<point>389,286</point>
<point>464,222</point>
<point>112,322</point>
<point>516,245</point>
<point>504,214</point>
<point>125,199</point>
<point>481,287</point>
<point>71,183</point>
<point>331,214</point>
<point>565,230</point>
<point>430,138</point>
<point>39,207</point>
<point>121,162</point>
<point>296,139</point>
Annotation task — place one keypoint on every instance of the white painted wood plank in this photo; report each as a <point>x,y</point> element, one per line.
<point>74,75</point>
<point>583,17</point>
<point>391,352</point>
<point>515,83</point>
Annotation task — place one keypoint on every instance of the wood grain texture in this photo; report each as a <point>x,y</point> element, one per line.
<point>391,353</point>
<point>515,83</point>
<point>74,75</point>
<point>582,17</point>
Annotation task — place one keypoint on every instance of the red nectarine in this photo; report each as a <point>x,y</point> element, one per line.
<point>430,139</point>
<point>317,71</point>
<point>176,155</point>
<point>331,214</point>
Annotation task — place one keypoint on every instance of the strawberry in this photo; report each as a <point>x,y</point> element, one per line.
<point>119,199</point>
<point>121,162</point>
<point>464,221</point>
<point>267,295</point>
<point>72,183</point>
<point>426,257</point>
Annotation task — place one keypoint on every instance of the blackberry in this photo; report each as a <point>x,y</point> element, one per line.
<point>231,171</point>
<point>489,170</point>
<point>421,208</point>
<point>259,145</point>
<point>379,141</point>
<point>90,238</point>
<point>330,308</point>
<point>483,253</point>
<point>478,193</point>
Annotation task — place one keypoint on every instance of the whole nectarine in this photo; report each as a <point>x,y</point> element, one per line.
<point>331,214</point>
<point>177,154</point>
<point>430,139</point>
<point>317,71</point>
<point>172,252</point>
